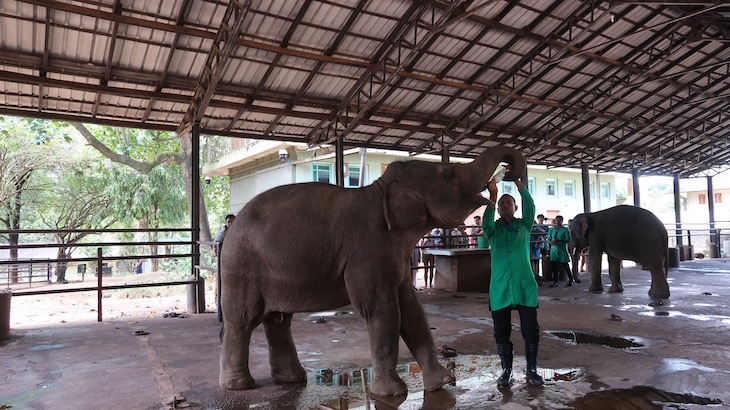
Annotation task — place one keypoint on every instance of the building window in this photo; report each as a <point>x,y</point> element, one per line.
<point>353,176</point>
<point>605,190</point>
<point>569,188</point>
<point>551,185</point>
<point>322,173</point>
<point>531,185</point>
<point>592,189</point>
<point>507,187</point>
<point>718,198</point>
<point>702,198</point>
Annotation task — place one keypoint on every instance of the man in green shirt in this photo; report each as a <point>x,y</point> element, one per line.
<point>512,284</point>
<point>559,238</point>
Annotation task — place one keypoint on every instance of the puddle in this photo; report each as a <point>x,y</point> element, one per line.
<point>577,337</point>
<point>47,347</point>
<point>475,387</point>
<point>331,313</point>
<point>639,398</point>
<point>680,365</point>
<point>700,318</point>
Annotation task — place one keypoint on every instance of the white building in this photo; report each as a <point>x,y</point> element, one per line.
<point>257,166</point>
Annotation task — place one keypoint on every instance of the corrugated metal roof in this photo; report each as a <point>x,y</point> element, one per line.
<point>618,85</point>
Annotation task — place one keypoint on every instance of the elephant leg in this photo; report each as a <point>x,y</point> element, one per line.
<point>234,373</point>
<point>594,265</point>
<point>285,366</point>
<point>614,272</point>
<point>417,335</point>
<point>240,321</point>
<point>659,286</point>
<point>383,322</point>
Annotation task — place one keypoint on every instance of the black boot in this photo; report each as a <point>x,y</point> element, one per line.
<point>531,356</point>
<point>505,356</point>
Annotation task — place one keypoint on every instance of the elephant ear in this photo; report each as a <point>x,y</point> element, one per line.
<point>585,227</point>
<point>403,207</point>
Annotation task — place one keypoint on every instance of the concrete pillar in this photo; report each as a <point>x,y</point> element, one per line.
<point>677,210</point>
<point>195,210</point>
<point>714,238</point>
<point>339,162</point>
<point>586,181</point>
<point>635,183</point>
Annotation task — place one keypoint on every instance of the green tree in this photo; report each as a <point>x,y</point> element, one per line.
<point>152,200</point>
<point>144,150</point>
<point>22,155</point>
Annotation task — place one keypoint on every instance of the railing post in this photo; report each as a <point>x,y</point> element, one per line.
<point>98,283</point>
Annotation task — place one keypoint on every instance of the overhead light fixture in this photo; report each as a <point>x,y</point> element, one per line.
<point>283,154</point>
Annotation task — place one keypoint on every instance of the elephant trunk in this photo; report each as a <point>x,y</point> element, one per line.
<point>486,163</point>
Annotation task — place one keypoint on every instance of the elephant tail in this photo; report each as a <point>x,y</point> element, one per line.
<point>666,264</point>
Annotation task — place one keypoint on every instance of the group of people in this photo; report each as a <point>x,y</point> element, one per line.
<point>554,242</point>
<point>459,238</point>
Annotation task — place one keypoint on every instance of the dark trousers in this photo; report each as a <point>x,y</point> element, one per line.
<point>556,267</point>
<point>502,319</point>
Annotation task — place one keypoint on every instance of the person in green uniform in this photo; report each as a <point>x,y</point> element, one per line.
<point>512,285</point>
<point>559,237</point>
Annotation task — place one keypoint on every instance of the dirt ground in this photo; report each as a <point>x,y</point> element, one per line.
<point>78,307</point>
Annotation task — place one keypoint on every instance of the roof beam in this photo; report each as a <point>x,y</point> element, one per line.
<point>182,11</point>
<point>109,56</point>
<point>220,51</point>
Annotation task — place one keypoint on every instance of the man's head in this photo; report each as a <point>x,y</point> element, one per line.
<point>477,220</point>
<point>558,221</point>
<point>229,219</point>
<point>506,206</point>
<point>541,218</point>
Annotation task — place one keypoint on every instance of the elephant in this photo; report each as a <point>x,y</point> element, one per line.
<point>623,232</point>
<point>310,247</point>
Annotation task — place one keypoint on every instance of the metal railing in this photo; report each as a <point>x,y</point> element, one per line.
<point>14,271</point>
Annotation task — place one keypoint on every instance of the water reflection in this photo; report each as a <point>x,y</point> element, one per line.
<point>475,387</point>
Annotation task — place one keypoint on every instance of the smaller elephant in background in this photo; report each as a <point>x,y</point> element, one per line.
<point>623,232</point>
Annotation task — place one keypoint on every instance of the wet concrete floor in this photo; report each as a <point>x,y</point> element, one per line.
<point>598,351</point>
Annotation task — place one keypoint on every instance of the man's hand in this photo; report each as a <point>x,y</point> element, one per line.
<point>518,184</point>
<point>492,189</point>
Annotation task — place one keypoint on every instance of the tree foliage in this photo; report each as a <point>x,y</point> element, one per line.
<point>145,150</point>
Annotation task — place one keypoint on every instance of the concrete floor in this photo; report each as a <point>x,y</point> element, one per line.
<point>684,360</point>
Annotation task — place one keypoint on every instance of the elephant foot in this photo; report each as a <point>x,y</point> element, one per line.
<point>295,374</point>
<point>615,289</point>
<point>658,294</point>
<point>236,383</point>
<point>390,385</point>
<point>434,380</point>
<point>595,288</point>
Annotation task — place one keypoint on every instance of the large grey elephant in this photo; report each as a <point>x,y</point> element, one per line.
<point>623,232</point>
<point>312,247</point>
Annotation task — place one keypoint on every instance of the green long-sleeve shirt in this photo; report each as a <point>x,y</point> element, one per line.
<point>559,250</point>
<point>513,282</point>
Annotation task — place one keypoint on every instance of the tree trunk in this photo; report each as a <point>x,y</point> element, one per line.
<point>61,266</point>
<point>14,238</point>
<point>186,163</point>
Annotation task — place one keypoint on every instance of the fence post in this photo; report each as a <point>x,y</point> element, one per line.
<point>98,280</point>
